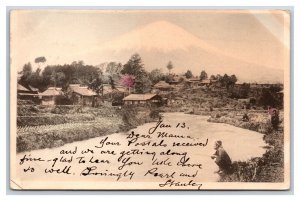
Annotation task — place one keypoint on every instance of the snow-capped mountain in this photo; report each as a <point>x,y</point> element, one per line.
<point>162,41</point>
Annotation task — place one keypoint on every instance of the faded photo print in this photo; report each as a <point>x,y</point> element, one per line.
<point>150,99</point>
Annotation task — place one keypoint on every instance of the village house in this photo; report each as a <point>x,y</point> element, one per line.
<point>82,95</point>
<point>177,80</point>
<point>206,82</point>
<point>107,89</point>
<point>49,95</point>
<point>27,94</point>
<point>143,99</point>
<point>163,87</point>
<point>113,97</point>
<point>196,82</point>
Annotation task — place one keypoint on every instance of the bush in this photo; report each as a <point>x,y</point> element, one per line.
<point>27,110</point>
<point>52,119</point>
<point>63,100</point>
<point>154,114</point>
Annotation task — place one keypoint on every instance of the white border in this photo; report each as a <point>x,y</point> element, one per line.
<point>254,3</point>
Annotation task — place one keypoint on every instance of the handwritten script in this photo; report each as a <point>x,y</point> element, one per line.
<point>166,154</point>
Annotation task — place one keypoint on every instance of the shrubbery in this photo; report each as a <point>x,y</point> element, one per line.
<point>52,119</point>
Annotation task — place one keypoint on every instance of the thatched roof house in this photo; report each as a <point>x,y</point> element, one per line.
<point>22,88</point>
<point>82,90</point>
<point>49,95</point>
<point>142,99</point>
<point>51,91</point>
<point>82,95</point>
<point>27,93</point>
<point>163,86</point>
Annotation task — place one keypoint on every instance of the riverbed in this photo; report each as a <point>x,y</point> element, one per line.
<point>185,134</point>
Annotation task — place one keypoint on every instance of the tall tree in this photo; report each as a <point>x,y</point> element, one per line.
<point>170,66</point>
<point>203,75</point>
<point>113,68</point>
<point>26,74</point>
<point>219,77</point>
<point>58,79</point>
<point>40,60</point>
<point>143,85</point>
<point>233,79</point>
<point>35,78</point>
<point>134,66</point>
<point>155,76</point>
<point>228,81</point>
<point>212,77</point>
<point>188,74</point>
<point>112,82</point>
<point>225,81</point>
<point>96,85</point>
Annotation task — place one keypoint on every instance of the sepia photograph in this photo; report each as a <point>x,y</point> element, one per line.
<point>149,99</point>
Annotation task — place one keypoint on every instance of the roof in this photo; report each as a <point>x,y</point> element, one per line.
<point>27,94</point>
<point>205,81</point>
<point>178,77</point>
<point>280,92</point>
<point>51,91</point>
<point>139,97</point>
<point>84,91</point>
<point>162,84</point>
<point>22,88</point>
<point>121,88</point>
<point>193,80</point>
<point>32,88</point>
<point>107,89</point>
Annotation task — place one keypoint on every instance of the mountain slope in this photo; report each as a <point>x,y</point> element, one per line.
<point>161,41</point>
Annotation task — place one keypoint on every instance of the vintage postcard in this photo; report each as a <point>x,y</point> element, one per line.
<point>150,99</point>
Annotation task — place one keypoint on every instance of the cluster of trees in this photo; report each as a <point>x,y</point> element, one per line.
<point>227,81</point>
<point>59,75</point>
<point>131,75</point>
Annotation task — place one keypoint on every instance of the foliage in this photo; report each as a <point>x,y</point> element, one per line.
<point>228,81</point>
<point>203,75</point>
<point>143,85</point>
<point>96,85</point>
<point>155,76</point>
<point>40,60</point>
<point>59,75</point>
<point>26,73</point>
<point>113,68</point>
<point>112,83</point>
<point>134,66</point>
<point>213,77</point>
<point>53,119</point>
<point>268,98</point>
<point>188,74</point>
<point>240,92</point>
<point>127,81</point>
<point>79,126</point>
<point>170,66</point>
<point>244,91</point>
<point>63,100</point>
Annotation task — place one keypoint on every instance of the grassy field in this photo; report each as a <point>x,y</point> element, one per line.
<point>42,127</point>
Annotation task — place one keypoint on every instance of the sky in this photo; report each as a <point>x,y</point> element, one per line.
<point>63,36</point>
